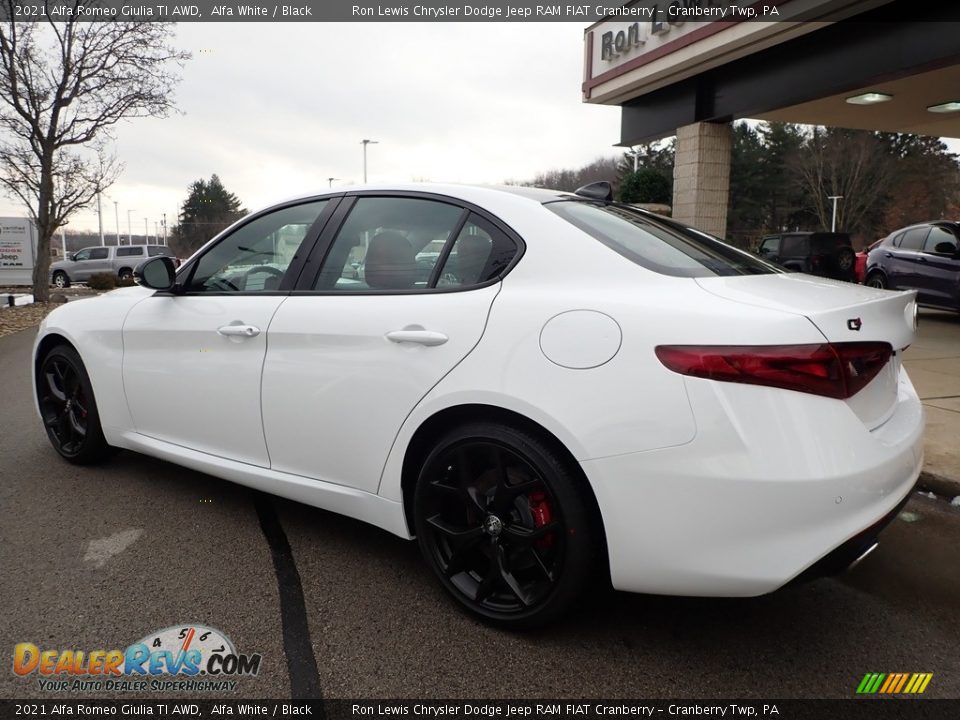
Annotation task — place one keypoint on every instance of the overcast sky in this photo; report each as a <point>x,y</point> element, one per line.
<point>277,108</point>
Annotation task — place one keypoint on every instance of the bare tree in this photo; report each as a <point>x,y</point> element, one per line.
<point>851,163</point>
<point>63,85</point>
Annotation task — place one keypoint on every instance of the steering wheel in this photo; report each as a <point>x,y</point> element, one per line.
<point>276,272</point>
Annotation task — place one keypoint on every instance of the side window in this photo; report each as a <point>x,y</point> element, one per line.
<point>82,255</point>
<point>100,253</point>
<point>155,250</point>
<point>129,251</point>
<point>795,246</point>
<point>897,240</point>
<point>940,241</point>
<point>255,257</point>
<point>913,239</point>
<point>480,253</point>
<point>388,243</point>
<point>769,247</point>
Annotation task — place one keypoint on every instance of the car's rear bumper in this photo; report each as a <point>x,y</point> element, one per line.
<point>773,482</point>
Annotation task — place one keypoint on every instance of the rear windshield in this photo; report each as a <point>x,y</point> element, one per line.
<point>663,246</point>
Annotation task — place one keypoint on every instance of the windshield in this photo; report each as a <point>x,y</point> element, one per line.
<point>661,245</point>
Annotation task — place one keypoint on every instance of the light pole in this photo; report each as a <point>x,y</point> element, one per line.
<point>116,215</point>
<point>129,228</point>
<point>100,220</point>
<point>164,228</point>
<point>331,179</point>
<point>833,225</point>
<point>365,143</point>
<point>146,232</point>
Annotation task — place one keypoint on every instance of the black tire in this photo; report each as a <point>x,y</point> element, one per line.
<point>68,407</point>
<point>846,260</point>
<point>125,274</point>
<point>60,279</point>
<point>876,280</point>
<point>505,525</point>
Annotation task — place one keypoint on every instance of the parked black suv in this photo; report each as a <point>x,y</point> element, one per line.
<point>827,254</point>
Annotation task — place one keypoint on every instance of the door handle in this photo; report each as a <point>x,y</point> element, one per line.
<point>420,336</point>
<point>239,331</point>
<point>886,254</point>
<point>921,259</point>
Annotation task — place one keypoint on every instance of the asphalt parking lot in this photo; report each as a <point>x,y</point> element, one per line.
<point>96,558</point>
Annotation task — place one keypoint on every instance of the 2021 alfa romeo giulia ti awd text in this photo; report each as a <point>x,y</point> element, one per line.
<point>533,384</point>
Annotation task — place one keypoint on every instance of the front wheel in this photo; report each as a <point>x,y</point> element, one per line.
<point>68,408</point>
<point>876,280</point>
<point>61,280</point>
<point>503,522</point>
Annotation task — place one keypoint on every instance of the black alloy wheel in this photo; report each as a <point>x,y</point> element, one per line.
<point>68,408</point>
<point>502,522</point>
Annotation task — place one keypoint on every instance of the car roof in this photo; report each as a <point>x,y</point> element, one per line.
<point>467,192</point>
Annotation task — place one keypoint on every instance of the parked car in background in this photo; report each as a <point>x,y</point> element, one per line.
<point>117,259</point>
<point>920,257</point>
<point>860,269</point>
<point>827,254</point>
<point>579,392</point>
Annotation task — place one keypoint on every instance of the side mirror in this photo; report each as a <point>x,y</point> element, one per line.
<point>73,257</point>
<point>157,273</point>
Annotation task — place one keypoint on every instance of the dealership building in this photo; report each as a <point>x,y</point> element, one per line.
<point>691,67</point>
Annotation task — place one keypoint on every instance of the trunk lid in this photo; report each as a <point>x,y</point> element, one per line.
<point>842,312</point>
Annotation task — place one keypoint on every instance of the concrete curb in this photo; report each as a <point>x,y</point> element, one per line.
<point>944,486</point>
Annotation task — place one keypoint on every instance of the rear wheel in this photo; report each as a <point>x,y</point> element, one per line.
<point>68,408</point>
<point>504,524</point>
<point>60,279</point>
<point>846,260</point>
<point>125,274</point>
<point>876,280</point>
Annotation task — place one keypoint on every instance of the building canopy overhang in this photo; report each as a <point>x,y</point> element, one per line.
<point>665,76</point>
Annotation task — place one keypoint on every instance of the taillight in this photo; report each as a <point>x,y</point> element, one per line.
<point>837,370</point>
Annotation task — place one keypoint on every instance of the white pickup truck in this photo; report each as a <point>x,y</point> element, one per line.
<point>117,259</point>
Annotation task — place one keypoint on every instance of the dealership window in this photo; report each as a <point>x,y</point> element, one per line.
<point>388,244</point>
<point>255,257</point>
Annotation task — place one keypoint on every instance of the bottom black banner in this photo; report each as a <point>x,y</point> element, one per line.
<point>872,709</point>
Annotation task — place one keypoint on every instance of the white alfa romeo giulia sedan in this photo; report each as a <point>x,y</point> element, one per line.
<point>536,385</point>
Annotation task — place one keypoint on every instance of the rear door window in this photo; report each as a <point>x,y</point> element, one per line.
<point>129,251</point>
<point>795,246</point>
<point>913,239</point>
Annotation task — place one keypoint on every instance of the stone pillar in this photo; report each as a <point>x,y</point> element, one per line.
<point>701,176</point>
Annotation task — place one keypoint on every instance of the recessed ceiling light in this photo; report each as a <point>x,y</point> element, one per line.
<point>947,107</point>
<point>870,98</point>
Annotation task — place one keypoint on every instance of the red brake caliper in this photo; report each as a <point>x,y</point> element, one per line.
<point>542,515</point>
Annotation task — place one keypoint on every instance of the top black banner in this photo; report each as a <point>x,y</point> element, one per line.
<point>655,11</point>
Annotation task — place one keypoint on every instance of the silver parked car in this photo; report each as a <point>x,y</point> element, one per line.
<point>119,260</point>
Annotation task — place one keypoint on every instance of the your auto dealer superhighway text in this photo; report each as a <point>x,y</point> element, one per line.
<point>508,710</point>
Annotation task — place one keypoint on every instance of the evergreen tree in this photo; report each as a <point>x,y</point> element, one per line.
<point>208,209</point>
